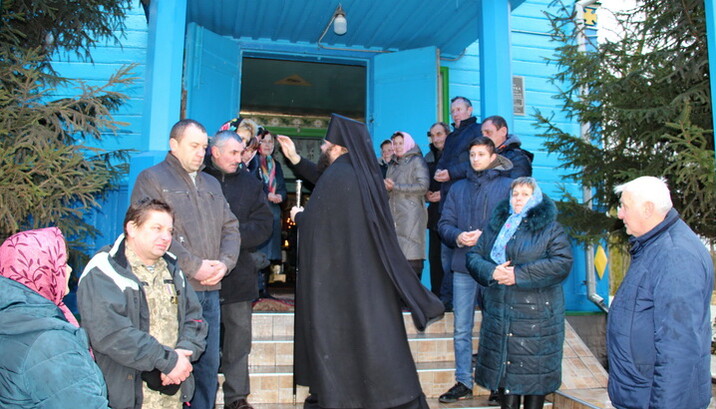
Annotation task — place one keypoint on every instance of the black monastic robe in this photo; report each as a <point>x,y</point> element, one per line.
<point>351,346</point>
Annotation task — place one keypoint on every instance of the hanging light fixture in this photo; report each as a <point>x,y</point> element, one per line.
<point>340,24</point>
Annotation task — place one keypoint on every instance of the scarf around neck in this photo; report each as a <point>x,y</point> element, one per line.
<point>268,172</point>
<point>498,252</point>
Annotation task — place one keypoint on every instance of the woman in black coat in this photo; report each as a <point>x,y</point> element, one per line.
<point>521,260</point>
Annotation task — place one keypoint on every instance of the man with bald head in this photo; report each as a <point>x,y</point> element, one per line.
<point>206,236</point>
<point>659,324</point>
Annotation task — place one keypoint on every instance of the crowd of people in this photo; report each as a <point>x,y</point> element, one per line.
<point>168,305</point>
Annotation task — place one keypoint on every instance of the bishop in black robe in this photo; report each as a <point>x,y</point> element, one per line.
<point>351,346</point>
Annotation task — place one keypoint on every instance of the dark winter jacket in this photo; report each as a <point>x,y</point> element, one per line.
<point>469,206</point>
<point>659,326</point>
<point>45,359</point>
<point>247,201</point>
<point>521,159</point>
<point>115,315</point>
<point>522,328</point>
<point>456,156</point>
<point>204,227</point>
<point>407,201</point>
<point>432,158</point>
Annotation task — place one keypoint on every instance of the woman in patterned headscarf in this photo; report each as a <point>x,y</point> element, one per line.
<point>271,175</point>
<point>46,355</point>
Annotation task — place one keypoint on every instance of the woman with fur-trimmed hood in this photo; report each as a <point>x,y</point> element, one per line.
<point>522,259</point>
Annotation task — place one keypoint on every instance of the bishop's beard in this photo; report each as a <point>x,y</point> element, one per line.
<point>323,162</point>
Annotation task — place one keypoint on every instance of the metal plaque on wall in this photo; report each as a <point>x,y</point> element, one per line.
<point>518,95</point>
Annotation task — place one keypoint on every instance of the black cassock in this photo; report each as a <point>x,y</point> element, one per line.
<point>351,347</point>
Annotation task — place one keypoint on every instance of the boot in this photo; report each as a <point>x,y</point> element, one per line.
<point>534,401</point>
<point>509,401</point>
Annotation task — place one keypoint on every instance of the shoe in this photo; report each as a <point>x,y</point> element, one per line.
<point>457,392</point>
<point>311,402</point>
<point>494,399</point>
<point>239,404</point>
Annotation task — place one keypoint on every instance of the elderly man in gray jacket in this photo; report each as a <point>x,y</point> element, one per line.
<point>143,319</point>
<point>206,235</point>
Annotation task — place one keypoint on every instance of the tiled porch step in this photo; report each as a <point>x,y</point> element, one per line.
<point>475,403</point>
<point>271,324</point>
<point>273,384</point>
<point>425,347</point>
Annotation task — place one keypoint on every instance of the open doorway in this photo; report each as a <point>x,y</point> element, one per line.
<point>296,98</point>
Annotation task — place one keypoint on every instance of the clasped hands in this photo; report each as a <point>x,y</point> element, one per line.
<point>210,272</point>
<point>181,370</point>
<point>442,175</point>
<point>468,238</point>
<point>504,274</point>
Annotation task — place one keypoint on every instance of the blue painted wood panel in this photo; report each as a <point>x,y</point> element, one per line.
<point>405,94</point>
<point>107,58</point>
<point>213,77</point>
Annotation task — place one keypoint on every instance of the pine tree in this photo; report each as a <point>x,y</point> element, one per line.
<point>47,175</point>
<point>647,101</point>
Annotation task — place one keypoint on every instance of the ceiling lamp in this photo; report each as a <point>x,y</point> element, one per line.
<point>340,24</point>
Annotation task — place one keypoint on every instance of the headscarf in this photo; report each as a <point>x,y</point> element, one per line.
<point>354,136</point>
<point>267,166</point>
<point>408,142</point>
<point>498,252</point>
<point>38,259</point>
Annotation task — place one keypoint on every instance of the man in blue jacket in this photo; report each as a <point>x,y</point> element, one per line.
<point>659,325</point>
<point>466,213</point>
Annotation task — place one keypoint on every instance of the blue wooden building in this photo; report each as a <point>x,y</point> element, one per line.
<point>281,62</point>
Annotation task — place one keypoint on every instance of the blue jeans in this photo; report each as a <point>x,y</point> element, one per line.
<point>206,368</point>
<point>446,288</point>
<point>465,291</point>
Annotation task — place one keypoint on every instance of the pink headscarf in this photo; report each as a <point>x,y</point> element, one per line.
<point>408,142</point>
<point>37,259</point>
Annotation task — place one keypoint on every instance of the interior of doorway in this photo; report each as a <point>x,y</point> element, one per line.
<point>295,97</point>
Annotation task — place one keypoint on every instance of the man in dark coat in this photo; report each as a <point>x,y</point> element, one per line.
<point>454,165</point>
<point>437,135</point>
<point>351,347</point>
<point>659,324</point>
<point>508,145</point>
<point>244,192</point>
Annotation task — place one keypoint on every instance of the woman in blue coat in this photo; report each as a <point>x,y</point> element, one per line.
<point>522,259</point>
<point>46,360</point>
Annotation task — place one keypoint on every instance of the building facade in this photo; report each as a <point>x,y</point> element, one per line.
<point>281,62</point>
